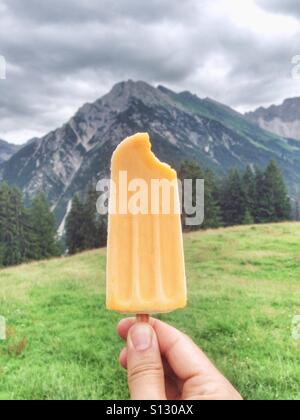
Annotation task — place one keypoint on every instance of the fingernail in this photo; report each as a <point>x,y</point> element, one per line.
<point>141,336</point>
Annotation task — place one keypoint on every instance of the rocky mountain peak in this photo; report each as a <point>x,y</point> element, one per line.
<point>283,119</point>
<point>292,107</point>
<point>118,99</point>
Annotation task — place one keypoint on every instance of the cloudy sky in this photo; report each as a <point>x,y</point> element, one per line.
<point>63,53</point>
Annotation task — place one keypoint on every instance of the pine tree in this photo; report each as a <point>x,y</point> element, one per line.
<point>95,226</point>
<point>280,202</point>
<point>43,233</point>
<point>264,211</point>
<point>233,202</point>
<point>15,250</point>
<point>29,245</point>
<point>85,229</point>
<point>4,204</point>
<point>25,234</point>
<point>11,226</point>
<point>213,216</point>
<point>75,237</point>
<point>272,201</point>
<point>249,188</point>
<point>89,222</point>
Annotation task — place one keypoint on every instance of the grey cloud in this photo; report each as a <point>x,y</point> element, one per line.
<point>289,7</point>
<point>57,11</point>
<point>63,53</point>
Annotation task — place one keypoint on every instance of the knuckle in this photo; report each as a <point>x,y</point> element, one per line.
<point>146,370</point>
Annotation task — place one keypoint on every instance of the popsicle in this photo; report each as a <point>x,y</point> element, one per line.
<point>145,258</point>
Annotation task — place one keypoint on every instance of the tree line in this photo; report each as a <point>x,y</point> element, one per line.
<point>242,197</point>
<point>26,234</point>
<point>85,229</point>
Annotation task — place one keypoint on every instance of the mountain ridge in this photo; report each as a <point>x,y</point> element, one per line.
<point>283,119</point>
<point>7,150</point>
<point>182,126</point>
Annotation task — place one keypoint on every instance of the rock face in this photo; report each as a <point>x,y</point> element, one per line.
<point>68,160</point>
<point>283,120</point>
<point>7,150</point>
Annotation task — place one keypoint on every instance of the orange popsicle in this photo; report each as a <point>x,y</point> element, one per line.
<point>145,262</point>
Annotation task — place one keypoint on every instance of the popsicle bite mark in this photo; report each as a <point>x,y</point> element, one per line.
<point>141,143</point>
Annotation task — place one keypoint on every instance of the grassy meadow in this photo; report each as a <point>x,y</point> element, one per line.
<point>244,289</point>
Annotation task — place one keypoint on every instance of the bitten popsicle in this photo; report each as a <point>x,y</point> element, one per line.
<point>145,261</point>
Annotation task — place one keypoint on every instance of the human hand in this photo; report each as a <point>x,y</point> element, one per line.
<point>163,363</point>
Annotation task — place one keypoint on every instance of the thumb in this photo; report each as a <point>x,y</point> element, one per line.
<point>144,364</point>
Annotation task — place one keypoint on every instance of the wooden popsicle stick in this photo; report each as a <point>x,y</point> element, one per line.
<point>142,318</point>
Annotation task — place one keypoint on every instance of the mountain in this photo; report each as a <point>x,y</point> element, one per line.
<point>68,160</point>
<point>283,120</point>
<point>7,150</point>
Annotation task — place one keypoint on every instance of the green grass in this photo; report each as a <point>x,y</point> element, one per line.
<point>244,289</point>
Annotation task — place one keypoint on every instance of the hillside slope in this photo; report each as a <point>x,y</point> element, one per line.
<point>243,292</point>
<point>68,160</point>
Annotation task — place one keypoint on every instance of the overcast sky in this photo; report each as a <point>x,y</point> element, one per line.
<point>63,53</point>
